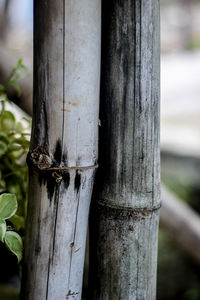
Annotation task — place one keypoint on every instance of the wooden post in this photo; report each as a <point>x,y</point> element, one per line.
<point>124,219</point>
<point>63,152</point>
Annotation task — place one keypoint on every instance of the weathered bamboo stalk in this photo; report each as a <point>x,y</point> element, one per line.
<point>124,219</point>
<point>63,152</point>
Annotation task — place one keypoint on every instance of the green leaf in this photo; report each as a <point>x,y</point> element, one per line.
<point>15,75</point>
<point>2,88</point>
<point>22,141</point>
<point>2,185</point>
<point>14,188</point>
<point>14,147</point>
<point>14,83</point>
<point>18,222</point>
<point>3,148</point>
<point>21,65</point>
<point>2,230</point>
<point>14,243</point>
<point>17,154</point>
<point>4,137</point>
<point>8,206</point>
<point>19,127</point>
<point>7,121</point>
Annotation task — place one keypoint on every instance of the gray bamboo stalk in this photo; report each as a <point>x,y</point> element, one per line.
<point>63,151</point>
<point>125,214</point>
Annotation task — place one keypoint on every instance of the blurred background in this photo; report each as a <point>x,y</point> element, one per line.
<point>179,266</point>
<point>179,237</point>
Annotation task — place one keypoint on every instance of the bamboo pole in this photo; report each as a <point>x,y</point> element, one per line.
<point>124,218</point>
<point>63,151</point>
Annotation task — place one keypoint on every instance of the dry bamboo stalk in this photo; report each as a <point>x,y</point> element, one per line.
<point>63,152</point>
<point>124,219</point>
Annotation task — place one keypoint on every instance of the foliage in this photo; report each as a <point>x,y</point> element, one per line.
<point>178,275</point>
<point>14,145</point>
<point>13,241</point>
<point>15,75</point>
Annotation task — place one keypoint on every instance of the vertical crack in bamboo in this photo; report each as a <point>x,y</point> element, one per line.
<point>63,127</point>
<point>74,236</point>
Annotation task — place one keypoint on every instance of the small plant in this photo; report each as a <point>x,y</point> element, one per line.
<point>14,145</point>
<point>13,241</point>
<point>15,75</point>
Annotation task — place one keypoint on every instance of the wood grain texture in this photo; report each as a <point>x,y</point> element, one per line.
<point>127,194</point>
<point>65,134</point>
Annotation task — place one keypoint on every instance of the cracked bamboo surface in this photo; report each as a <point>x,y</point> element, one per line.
<point>124,219</point>
<point>63,152</point>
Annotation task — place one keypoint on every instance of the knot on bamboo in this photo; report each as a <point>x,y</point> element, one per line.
<point>40,158</point>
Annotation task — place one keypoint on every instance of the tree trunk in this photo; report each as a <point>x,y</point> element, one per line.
<point>124,219</point>
<point>63,151</point>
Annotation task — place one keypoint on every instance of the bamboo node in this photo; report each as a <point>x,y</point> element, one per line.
<point>124,211</point>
